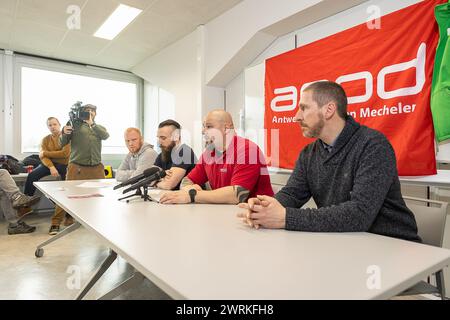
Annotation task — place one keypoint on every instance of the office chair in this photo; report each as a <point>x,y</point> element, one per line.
<point>431,224</point>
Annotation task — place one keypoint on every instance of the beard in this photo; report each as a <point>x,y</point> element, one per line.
<point>166,152</point>
<point>315,130</point>
<point>209,145</point>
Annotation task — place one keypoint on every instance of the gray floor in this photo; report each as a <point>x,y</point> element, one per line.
<point>55,275</point>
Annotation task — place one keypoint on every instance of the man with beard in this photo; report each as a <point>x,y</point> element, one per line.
<point>141,155</point>
<point>350,171</point>
<point>234,167</point>
<point>177,158</point>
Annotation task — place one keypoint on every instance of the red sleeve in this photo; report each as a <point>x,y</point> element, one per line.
<point>246,175</point>
<point>198,174</point>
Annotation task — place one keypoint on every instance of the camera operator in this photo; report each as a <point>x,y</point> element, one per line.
<point>85,137</point>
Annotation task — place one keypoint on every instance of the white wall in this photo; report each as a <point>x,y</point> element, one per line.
<point>235,99</point>
<point>443,154</point>
<point>2,103</point>
<point>177,70</point>
<point>217,50</point>
<point>238,36</point>
<point>281,45</point>
<point>238,91</point>
<point>151,112</point>
<point>347,19</point>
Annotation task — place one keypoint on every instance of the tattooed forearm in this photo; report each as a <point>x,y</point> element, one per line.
<point>185,182</point>
<point>241,193</point>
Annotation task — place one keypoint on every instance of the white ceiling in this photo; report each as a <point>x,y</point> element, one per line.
<point>39,27</point>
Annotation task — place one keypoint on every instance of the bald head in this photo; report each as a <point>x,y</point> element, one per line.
<point>220,116</point>
<point>218,129</point>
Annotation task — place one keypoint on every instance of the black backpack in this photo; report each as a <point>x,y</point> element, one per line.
<point>10,164</point>
<point>31,160</point>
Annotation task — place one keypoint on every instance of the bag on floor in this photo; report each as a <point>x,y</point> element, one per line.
<point>31,160</point>
<point>10,164</point>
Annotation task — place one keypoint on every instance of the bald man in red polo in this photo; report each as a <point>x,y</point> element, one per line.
<point>233,168</point>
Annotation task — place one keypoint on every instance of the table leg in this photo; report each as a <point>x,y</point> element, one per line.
<point>129,283</point>
<point>97,274</point>
<point>40,252</point>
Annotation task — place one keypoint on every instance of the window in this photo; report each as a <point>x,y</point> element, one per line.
<point>254,104</point>
<point>160,106</point>
<point>47,93</point>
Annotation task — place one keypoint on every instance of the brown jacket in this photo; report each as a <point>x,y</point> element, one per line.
<point>53,153</point>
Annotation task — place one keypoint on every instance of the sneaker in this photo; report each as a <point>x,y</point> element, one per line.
<point>21,200</point>
<point>53,230</point>
<point>21,227</point>
<point>23,212</point>
<point>68,221</point>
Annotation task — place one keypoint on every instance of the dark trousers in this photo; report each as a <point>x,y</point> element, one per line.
<point>38,173</point>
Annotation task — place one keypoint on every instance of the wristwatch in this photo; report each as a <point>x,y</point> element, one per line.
<point>192,194</point>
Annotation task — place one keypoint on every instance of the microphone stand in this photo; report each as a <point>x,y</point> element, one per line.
<point>144,195</point>
<point>138,193</point>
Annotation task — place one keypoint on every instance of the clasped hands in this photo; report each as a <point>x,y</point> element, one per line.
<point>263,211</point>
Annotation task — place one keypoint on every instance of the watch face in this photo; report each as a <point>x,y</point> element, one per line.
<point>192,193</point>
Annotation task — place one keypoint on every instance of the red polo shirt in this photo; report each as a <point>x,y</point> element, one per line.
<point>242,164</point>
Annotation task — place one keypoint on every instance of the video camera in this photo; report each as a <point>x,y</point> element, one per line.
<point>78,113</point>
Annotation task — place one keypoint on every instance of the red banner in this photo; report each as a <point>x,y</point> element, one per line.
<point>386,74</point>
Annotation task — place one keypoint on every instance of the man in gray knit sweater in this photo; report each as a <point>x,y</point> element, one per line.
<point>350,171</point>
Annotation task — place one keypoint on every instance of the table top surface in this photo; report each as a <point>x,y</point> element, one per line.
<point>199,251</point>
<point>441,179</point>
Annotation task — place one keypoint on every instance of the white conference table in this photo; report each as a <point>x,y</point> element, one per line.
<point>198,251</point>
<point>441,179</point>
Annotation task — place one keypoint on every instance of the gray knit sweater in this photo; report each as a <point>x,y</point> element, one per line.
<point>356,187</point>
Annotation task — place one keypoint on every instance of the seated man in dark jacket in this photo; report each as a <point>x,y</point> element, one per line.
<point>350,171</point>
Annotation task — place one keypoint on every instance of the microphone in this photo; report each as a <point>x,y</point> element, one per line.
<point>145,182</point>
<point>147,173</point>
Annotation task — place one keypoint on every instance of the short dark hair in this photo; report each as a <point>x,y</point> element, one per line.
<point>326,91</point>
<point>169,122</point>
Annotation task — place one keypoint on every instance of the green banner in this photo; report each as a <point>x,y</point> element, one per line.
<point>440,90</point>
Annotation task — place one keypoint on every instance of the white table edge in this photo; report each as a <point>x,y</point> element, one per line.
<point>391,292</point>
<point>150,276</point>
